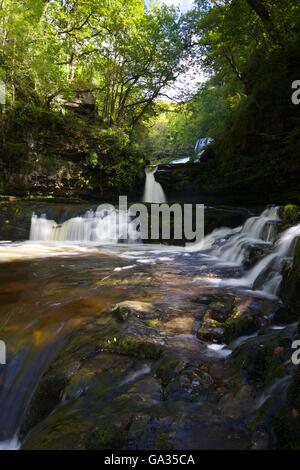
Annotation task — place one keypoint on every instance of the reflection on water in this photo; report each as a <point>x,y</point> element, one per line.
<point>47,290</point>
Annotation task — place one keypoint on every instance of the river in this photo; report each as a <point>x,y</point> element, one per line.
<point>54,287</point>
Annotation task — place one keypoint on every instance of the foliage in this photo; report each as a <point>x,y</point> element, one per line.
<point>250,51</point>
<point>88,83</point>
<point>94,66</point>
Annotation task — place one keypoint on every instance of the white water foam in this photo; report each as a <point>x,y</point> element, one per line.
<point>153,192</point>
<point>11,444</point>
<point>102,226</point>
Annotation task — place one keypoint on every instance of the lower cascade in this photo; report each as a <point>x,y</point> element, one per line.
<point>267,274</point>
<point>232,246</point>
<point>257,231</point>
<point>153,192</point>
<point>101,226</point>
<point>228,246</point>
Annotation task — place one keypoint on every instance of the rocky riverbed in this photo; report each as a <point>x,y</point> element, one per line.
<point>143,347</point>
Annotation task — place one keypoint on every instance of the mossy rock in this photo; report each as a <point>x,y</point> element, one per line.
<point>241,325</point>
<point>254,254</point>
<point>213,333</point>
<point>290,215</point>
<point>264,358</point>
<point>287,421</point>
<point>125,310</point>
<point>106,436</point>
<point>220,311</point>
<point>45,399</point>
<point>131,345</point>
<point>168,367</point>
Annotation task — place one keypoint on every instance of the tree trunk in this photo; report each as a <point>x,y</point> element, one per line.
<point>261,10</point>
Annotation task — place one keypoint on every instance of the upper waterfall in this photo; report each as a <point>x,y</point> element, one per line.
<point>153,192</point>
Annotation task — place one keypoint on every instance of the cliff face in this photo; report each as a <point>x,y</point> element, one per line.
<point>45,151</point>
<point>65,152</point>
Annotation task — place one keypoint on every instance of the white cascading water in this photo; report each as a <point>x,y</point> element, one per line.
<point>101,226</point>
<point>256,231</point>
<point>266,275</point>
<point>154,192</point>
<point>227,245</point>
<point>219,235</point>
<point>201,145</point>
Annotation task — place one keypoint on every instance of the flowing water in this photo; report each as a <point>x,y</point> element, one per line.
<point>154,192</point>
<point>100,226</point>
<point>67,273</point>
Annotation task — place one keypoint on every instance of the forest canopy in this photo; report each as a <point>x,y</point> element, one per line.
<point>92,91</point>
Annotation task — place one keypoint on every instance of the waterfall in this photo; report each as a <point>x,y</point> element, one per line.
<point>201,145</point>
<point>230,245</point>
<point>102,226</point>
<point>216,237</point>
<point>257,231</point>
<point>153,191</point>
<point>266,275</point>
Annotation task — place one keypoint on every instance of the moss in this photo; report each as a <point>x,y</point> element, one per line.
<point>264,358</point>
<point>152,323</point>
<point>106,436</point>
<point>167,368</point>
<point>263,364</point>
<point>46,398</point>
<point>239,326</point>
<point>162,442</point>
<point>131,345</point>
<point>290,215</point>
<point>123,311</point>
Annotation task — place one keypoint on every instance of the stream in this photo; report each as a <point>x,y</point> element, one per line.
<point>70,271</point>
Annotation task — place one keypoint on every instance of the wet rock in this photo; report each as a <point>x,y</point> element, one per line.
<point>287,420</point>
<point>48,396</point>
<point>290,215</point>
<point>240,325</point>
<point>219,311</point>
<point>264,358</point>
<point>260,371</point>
<point>124,310</point>
<point>131,345</point>
<point>104,436</point>
<point>255,253</point>
<point>168,367</point>
<point>138,377</point>
<point>150,433</point>
<point>123,388</point>
<point>260,441</point>
<point>232,317</point>
<point>212,332</point>
<point>290,286</point>
<point>200,312</point>
<point>202,299</point>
